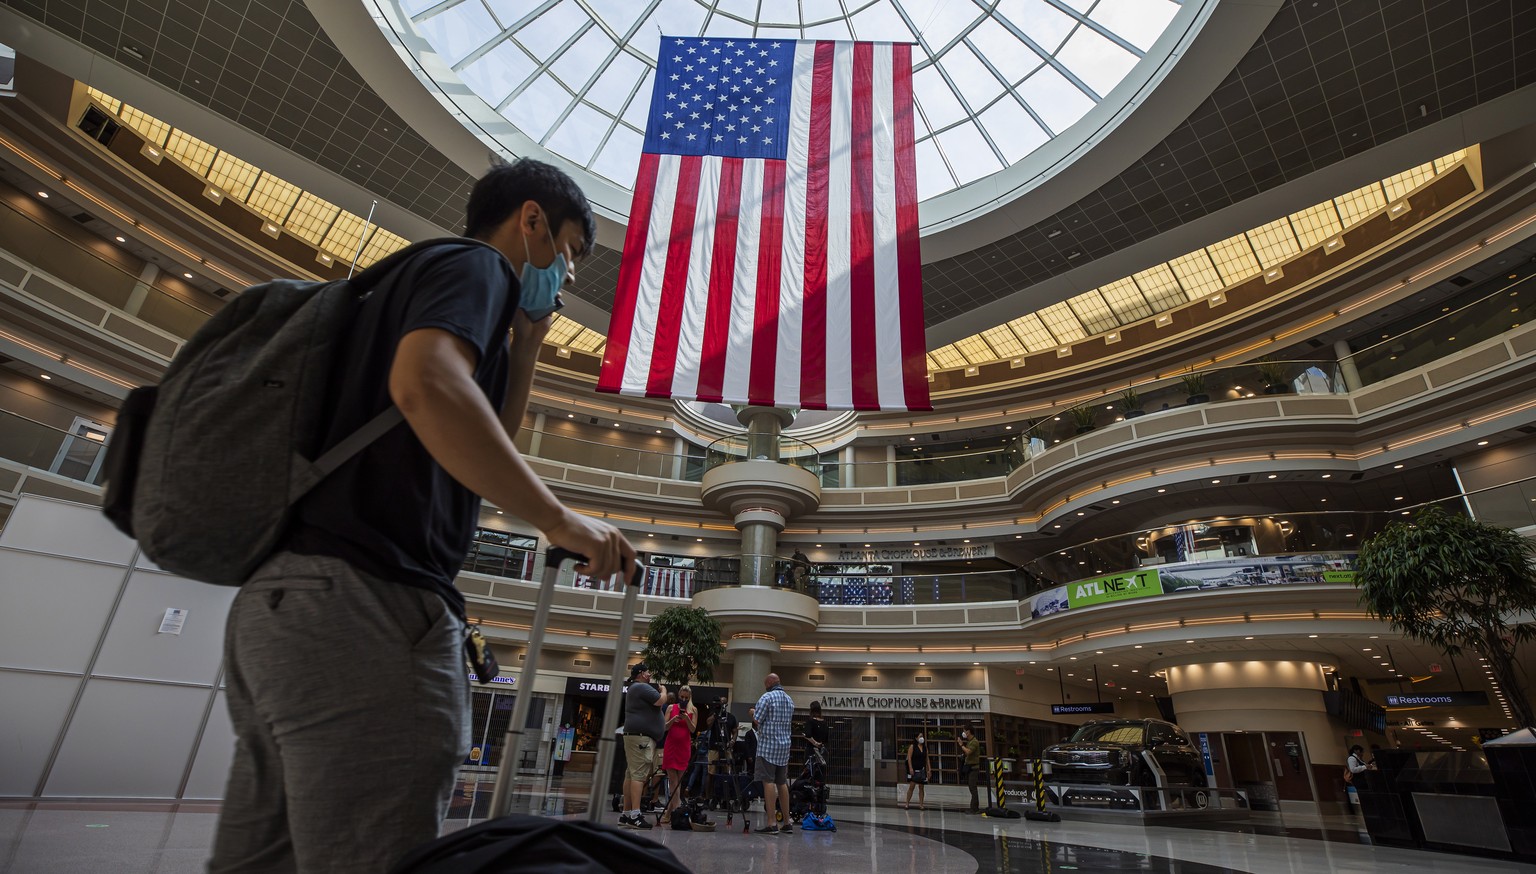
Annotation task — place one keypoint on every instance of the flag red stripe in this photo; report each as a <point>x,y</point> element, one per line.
<point>722,277</point>
<point>674,283</point>
<point>616,352</point>
<point>765,315</point>
<point>813,320</point>
<point>863,340</point>
<point>909,266</point>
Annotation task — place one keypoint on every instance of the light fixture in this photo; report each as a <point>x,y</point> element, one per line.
<point>43,195</point>
<point>1274,475</point>
<point>271,230</point>
<point>325,258</point>
<point>1272,274</point>
<point>120,239</point>
<point>1482,443</point>
<point>499,513</point>
<point>188,275</point>
<point>1160,491</point>
<point>44,376</point>
<point>1327,476</point>
<point>615,424</point>
<point>1215,482</point>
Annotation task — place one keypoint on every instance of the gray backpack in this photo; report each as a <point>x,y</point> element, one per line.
<point>204,468</point>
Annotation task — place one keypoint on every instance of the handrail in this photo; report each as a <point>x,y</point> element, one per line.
<point>45,447</point>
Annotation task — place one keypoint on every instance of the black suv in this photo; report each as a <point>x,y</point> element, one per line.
<point>1115,752</point>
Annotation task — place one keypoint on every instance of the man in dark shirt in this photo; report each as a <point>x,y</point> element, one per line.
<point>643,731</point>
<point>344,651</point>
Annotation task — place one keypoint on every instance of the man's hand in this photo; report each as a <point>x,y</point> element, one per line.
<point>606,550</point>
<point>528,334</point>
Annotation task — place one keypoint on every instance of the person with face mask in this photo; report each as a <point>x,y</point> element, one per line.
<point>371,553</point>
<point>970,765</point>
<point>917,773</point>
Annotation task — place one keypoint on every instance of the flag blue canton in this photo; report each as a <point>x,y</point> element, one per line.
<point>726,98</point>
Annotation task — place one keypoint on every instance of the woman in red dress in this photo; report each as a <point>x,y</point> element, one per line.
<point>677,747</point>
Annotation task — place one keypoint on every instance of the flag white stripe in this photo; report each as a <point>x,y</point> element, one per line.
<point>887,282</point>
<point>690,335</point>
<point>642,339</point>
<point>839,233</point>
<point>786,380</point>
<point>738,357</point>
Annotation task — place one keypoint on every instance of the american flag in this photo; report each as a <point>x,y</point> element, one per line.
<point>772,253</point>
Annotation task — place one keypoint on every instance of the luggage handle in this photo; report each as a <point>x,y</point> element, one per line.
<point>557,560</point>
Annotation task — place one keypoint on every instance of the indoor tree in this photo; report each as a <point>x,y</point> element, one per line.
<point>1455,583</point>
<point>683,643</point>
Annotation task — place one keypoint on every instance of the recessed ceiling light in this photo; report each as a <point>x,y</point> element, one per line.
<point>44,376</point>
<point>1189,641</point>
<point>1397,467</point>
<point>188,275</point>
<point>121,239</point>
<point>1215,481</point>
<point>1482,443</point>
<point>570,415</point>
<point>1327,476</point>
<point>43,195</point>
<point>1160,491</point>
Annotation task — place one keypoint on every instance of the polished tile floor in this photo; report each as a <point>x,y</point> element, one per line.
<point>173,839</point>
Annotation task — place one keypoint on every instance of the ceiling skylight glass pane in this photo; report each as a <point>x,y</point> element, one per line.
<point>1161,289</point>
<point>1032,333</point>
<point>1063,323</point>
<point>1012,129</point>
<point>947,357</point>
<point>459,30</point>
<point>778,13</point>
<point>746,9</point>
<point>968,153</point>
<point>540,104</point>
<point>1080,5</point>
<point>879,21</point>
<point>1196,274</point>
<point>1048,26</point>
<point>619,15</point>
<point>725,26</point>
<point>1138,22</point>
<point>1095,60</point>
<point>510,12</point>
<point>673,18</point>
<point>620,158</point>
<point>1274,242</point>
<point>829,30</point>
<point>1003,341</point>
<point>640,107</point>
<point>1406,181</point>
<point>789,34</point>
<point>940,21</point>
<point>549,31</point>
<point>975,350</point>
<point>583,59</point>
<point>414,7</point>
<point>233,175</point>
<point>195,154</point>
<point>1004,51</point>
<point>1234,259</point>
<point>812,11</point>
<point>976,82</point>
<point>613,86</point>
<point>1093,312</point>
<point>1126,301</point>
<point>932,176</point>
<point>1316,224</point>
<point>579,135</point>
<point>498,72</point>
<point>1057,101</point>
<point>1360,204</point>
<point>938,102</point>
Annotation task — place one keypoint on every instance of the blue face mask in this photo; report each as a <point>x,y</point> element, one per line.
<point>541,285</point>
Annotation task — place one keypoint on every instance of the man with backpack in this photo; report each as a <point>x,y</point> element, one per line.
<point>344,651</point>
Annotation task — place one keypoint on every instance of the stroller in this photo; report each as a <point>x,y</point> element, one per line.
<point>808,793</point>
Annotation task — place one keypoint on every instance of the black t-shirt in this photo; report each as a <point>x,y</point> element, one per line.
<point>816,730</point>
<point>392,511</point>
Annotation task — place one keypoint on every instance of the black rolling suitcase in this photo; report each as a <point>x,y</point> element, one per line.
<point>519,843</point>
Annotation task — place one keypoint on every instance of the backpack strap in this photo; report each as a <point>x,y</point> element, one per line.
<point>358,440</point>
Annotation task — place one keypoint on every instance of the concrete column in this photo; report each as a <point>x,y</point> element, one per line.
<point>141,289</point>
<point>536,439</point>
<point>751,660</point>
<point>679,457</point>
<point>890,465</point>
<point>1347,366</point>
<point>759,545</point>
<point>764,425</point>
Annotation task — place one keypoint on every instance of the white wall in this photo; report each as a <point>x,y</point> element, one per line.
<point>94,701</point>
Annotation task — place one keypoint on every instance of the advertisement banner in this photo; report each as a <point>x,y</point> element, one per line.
<point>1336,568</point>
<point>1113,588</point>
<point>7,71</point>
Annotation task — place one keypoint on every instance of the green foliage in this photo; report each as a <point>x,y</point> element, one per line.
<point>1082,417</point>
<point>1130,399</point>
<point>1273,372</point>
<point>683,643</point>
<point>1454,583</point>
<point>1194,382</point>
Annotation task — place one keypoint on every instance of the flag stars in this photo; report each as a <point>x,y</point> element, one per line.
<point>719,138</point>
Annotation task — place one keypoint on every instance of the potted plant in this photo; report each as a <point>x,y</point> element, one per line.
<point>1194,386</point>
<point>1455,583</point>
<point>683,643</point>
<point>1130,401</point>
<point>1082,417</point>
<point>1275,374</point>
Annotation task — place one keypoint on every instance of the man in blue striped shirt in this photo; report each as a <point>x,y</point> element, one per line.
<point>772,716</point>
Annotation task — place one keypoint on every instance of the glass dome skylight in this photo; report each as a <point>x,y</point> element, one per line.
<point>994,80</point>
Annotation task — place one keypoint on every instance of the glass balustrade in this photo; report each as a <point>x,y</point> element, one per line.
<point>91,269</point>
<point>74,455</point>
<point>763,447</point>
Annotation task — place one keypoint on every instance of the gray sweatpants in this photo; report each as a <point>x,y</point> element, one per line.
<point>350,702</point>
